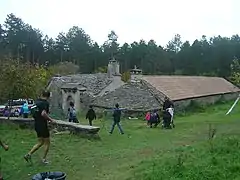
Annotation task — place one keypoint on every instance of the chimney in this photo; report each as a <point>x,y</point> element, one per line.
<point>113,68</point>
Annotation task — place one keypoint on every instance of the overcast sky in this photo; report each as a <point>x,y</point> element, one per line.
<point>132,20</point>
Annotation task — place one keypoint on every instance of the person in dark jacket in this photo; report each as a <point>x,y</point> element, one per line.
<point>167,103</point>
<point>116,119</point>
<point>91,115</point>
<point>154,119</point>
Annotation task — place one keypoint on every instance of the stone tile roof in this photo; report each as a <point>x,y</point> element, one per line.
<point>94,83</point>
<point>131,96</point>
<point>183,87</point>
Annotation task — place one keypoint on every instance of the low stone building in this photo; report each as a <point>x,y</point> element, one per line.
<point>142,93</point>
<point>184,89</point>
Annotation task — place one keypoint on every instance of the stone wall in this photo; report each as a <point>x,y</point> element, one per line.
<point>76,99</point>
<point>94,83</point>
<point>56,99</point>
<point>182,104</point>
<point>60,125</point>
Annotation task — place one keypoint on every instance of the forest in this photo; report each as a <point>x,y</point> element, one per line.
<point>22,44</point>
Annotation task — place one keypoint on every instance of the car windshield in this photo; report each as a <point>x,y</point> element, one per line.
<point>18,102</point>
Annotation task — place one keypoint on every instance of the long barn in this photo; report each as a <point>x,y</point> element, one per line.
<point>184,89</point>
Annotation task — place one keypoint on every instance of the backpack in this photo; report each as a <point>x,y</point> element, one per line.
<point>153,117</point>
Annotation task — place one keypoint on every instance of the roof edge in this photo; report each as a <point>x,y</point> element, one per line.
<point>206,96</point>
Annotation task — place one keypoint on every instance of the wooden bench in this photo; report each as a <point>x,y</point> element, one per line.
<point>60,125</point>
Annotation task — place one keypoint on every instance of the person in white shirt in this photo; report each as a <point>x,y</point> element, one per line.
<point>170,110</point>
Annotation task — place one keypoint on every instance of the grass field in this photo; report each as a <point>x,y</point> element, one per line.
<point>141,153</point>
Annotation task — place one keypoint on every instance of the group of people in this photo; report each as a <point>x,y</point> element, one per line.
<point>91,115</point>
<point>153,117</point>
<point>40,113</point>
<point>23,111</point>
<point>72,114</point>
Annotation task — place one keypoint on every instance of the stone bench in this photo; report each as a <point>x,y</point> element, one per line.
<point>60,125</point>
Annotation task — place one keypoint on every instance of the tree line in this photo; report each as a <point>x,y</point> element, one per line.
<point>206,56</point>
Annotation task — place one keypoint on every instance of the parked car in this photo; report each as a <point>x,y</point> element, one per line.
<point>16,104</point>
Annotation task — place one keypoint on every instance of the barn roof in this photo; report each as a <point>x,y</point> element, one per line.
<point>133,96</point>
<point>184,87</point>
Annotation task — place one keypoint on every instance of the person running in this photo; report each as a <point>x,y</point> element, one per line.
<point>5,147</point>
<point>91,115</point>
<point>41,118</point>
<point>116,119</point>
<point>72,113</point>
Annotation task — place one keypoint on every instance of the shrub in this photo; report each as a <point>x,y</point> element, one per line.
<point>64,68</point>
<point>126,76</point>
<point>21,80</point>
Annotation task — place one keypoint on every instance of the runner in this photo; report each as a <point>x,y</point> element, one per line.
<point>40,115</point>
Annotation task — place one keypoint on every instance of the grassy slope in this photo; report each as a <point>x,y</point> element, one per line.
<point>141,152</point>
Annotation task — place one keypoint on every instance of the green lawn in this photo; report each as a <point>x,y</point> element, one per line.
<point>142,153</point>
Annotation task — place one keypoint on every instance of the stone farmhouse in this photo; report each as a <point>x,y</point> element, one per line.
<point>141,93</point>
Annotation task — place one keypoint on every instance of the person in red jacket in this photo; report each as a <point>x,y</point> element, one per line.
<point>5,147</point>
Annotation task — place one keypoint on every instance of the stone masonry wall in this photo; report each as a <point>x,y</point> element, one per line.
<point>182,104</point>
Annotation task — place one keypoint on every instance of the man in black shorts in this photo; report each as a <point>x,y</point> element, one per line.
<point>40,115</point>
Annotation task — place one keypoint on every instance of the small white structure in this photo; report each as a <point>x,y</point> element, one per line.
<point>136,74</point>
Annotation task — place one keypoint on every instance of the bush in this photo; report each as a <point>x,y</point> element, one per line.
<point>103,69</point>
<point>235,74</point>
<point>126,76</point>
<point>64,68</point>
<point>21,80</point>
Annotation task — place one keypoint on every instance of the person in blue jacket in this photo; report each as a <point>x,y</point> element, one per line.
<point>25,110</point>
<point>116,119</point>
